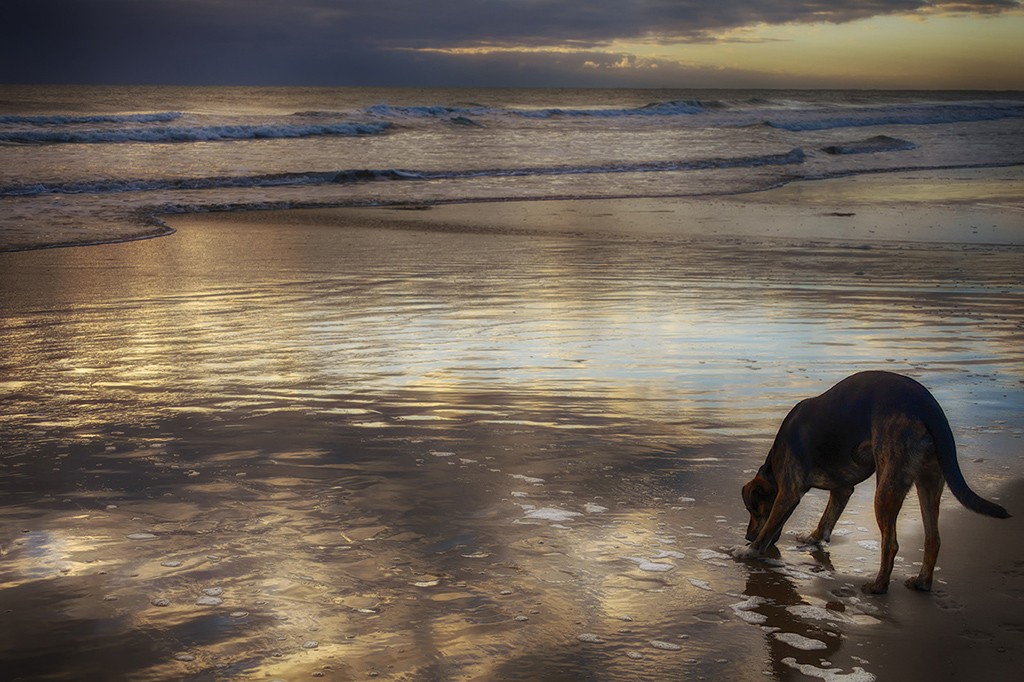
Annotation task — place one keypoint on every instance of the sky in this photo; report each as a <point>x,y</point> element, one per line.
<point>960,44</point>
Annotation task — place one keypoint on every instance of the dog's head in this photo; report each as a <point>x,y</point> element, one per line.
<point>758,497</point>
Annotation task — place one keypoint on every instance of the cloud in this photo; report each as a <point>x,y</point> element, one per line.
<point>584,23</point>
<point>354,41</point>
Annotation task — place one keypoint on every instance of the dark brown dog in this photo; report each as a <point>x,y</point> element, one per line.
<point>871,422</point>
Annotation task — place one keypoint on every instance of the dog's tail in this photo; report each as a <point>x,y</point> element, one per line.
<point>945,449</point>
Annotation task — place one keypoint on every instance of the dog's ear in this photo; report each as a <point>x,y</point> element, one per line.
<point>750,490</point>
<point>758,483</point>
<point>757,490</point>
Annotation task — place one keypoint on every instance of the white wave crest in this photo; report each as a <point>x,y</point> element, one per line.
<point>669,108</point>
<point>192,134</point>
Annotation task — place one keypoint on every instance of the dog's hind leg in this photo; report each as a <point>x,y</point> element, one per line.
<point>837,500</point>
<point>891,488</point>
<point>887,507</point>
<point>929,492</point>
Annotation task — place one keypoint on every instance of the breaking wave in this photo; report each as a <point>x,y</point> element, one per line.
<point>794,156</point>
<point>670,108</point>
<point>192,134</point>
<point>791,115</point>
<point>673,108</point>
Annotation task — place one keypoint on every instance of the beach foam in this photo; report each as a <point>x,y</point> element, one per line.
<point>799,641</point>
<point>830,674</point>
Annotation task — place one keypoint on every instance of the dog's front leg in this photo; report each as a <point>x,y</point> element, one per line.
<point>837,500</point>
<point>783,507</point>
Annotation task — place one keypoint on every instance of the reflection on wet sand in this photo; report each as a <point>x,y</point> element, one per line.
<point>264,451</point>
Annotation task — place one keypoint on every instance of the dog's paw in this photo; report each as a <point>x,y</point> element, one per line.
<point>810,540</point>
<point>916,583</point>
<point>747,552</point>
<point>875,588</point>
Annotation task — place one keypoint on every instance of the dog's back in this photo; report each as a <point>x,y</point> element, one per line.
<point>869,398</point>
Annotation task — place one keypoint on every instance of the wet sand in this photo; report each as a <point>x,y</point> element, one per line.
<point>498,441</point>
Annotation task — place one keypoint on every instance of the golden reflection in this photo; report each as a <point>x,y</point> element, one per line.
<point>482,456</point>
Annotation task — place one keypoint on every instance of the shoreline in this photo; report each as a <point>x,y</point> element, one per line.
<point>992,191</point>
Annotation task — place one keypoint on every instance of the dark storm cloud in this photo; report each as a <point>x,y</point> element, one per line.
<point>367,41</point>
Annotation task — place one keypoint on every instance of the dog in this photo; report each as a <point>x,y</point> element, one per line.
<point>869,423</point>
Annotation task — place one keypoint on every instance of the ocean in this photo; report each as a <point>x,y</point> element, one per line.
<point>107,160</point>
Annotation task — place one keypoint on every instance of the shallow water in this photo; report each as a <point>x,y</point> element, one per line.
<point>273,447</point>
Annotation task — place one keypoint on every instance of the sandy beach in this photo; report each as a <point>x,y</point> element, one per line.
<point>501,441</point>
